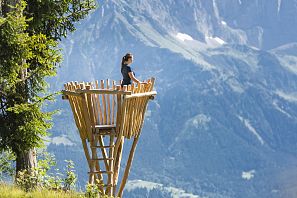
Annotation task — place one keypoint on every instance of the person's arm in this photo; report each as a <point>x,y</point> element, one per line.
<point>131,75</point>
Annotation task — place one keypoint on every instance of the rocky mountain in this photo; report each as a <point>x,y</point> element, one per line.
<point>224,121</point>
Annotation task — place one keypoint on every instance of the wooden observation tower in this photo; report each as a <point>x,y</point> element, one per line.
<point>105,115</point>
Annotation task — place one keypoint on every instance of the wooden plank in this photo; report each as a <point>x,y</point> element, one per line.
<point>101,159</point>
<point>76,111</point>
<point>100,172</point>
<point>103,146</point>
<point>110,177</point>
<point>138,108</point>
<point>98,104</point>
<point>103,91</point>
<point>90,107</point>
<point>128,166</point>
<point>133,116</point>
<point>103,104</point>
<point>95,164</point>
<point>86,116</point>
<point>113,103</point>
<point>153,83</point>
<point>105,126</point>
<point>144,107</point>
<point>70,93</point>
<point>142,101</point>
<point>145,94</point>
<point>73,108</point>
<point>127,118</point>
<point>94,100</point>
<point>105,132</point>
<point>118,157</point>
<point>119,108</point>
<point>79,106</point>
<point>76,102</point>
<point>103,151</point>
<point>140,123</point>
<point>108,103</point>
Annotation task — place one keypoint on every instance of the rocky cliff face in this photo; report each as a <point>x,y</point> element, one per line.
<point>224,121</point>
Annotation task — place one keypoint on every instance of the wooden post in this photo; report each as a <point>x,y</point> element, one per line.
<point>127,170</point>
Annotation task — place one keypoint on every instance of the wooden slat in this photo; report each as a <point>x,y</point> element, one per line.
<point>100,159</point>
<point>111,168</point>
<point>103,133</point>
<point>98,146</point>
<point>98,104</point>
<point>86,115</point>
<point>90,107</point>
<point>133,116</point>
<point>105,126</point>
<point>100,172</point>
<point>129,106</point>
<point>113,103</point>
<point>140,111</point>
<point>78,108</point>
<point>108,120</point>
<point>145,94</point>
<point>71,93</point>
<point>138,103</point>
<point>95,166</point>
<point>102,91</point>
<point>118,157</point>
<point>75,113</point>
<point>103,103</point>
<point>103,151</point>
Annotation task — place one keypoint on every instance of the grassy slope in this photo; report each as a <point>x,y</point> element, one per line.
<point>8,191</point>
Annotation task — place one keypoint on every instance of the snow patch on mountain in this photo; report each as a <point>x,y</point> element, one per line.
<point>175,192</point>
<point>290,97</point>
<point>277,107</point>
<point>59,140</point>
<point>279,2</point>
<point>223,22</point>
<point>247,124</point>
<point>214,41</point>
<point>184,37</point>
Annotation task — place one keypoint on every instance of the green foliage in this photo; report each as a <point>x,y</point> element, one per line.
<point>71,177</point>
<point>40,178</point>
<point>29,35</point>
<point>6,165</point>
<point>57,17</point>
<point>22,122</point>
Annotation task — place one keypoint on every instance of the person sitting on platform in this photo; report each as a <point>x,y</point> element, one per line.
<point>127,72</point>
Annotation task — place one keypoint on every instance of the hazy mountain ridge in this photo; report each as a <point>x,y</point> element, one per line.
<point>224,120</point>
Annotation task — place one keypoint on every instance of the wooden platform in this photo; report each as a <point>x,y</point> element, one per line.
<point>106,114</point>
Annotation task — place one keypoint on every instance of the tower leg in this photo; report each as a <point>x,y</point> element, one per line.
<point>128,166</point>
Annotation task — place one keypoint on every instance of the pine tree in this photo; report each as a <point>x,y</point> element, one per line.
<point>29,34</point>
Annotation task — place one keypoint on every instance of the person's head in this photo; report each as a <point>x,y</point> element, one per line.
<point>127,59</point>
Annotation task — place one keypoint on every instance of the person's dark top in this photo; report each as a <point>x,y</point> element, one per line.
<point>126,78</point>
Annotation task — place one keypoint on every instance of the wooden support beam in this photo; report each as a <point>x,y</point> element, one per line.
<point>128,166</point>
<point>145,94</point>
<point>99,159</point>
<point>100,172</point>
<point>110,146</point>
<point>103,91</point>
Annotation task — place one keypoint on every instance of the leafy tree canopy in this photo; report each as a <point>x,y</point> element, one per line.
<point>29,35</point>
